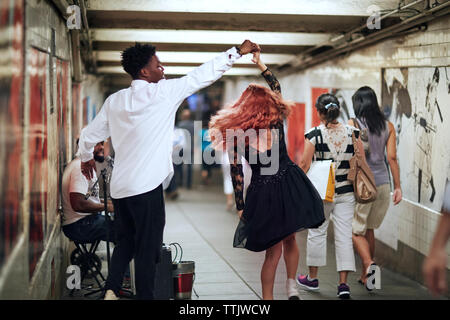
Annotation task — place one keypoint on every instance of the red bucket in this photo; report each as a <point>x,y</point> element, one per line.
<point>183,278</point>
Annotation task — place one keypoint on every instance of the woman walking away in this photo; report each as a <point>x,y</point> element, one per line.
<point>279,203</point>
<point>335,144</point>
<point>379,136</point>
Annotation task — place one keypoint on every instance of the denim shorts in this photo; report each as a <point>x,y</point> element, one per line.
<point>89,229</point>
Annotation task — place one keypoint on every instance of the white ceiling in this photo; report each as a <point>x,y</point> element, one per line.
<point>188,33</point>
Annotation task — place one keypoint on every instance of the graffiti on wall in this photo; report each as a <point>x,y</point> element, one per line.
<point>62,76</point>
<point>37,162</point>
<point>76,115</point>
<point>11,130</point>
<point>420,117</point>
<point>62,85</point>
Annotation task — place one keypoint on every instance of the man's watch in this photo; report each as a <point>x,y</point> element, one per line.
<point>238,49</point>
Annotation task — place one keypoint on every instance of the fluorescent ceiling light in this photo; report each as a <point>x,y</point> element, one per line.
<point>210,37</point>
<point>198,57</point>
<point>184,70</point>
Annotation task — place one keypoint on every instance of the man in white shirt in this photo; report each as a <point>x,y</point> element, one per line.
<point>81,221</point>
<point>140,122</point>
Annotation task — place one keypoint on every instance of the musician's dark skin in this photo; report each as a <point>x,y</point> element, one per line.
<point>78,200</point>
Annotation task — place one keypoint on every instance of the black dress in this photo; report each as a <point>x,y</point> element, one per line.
<point>278,204</point>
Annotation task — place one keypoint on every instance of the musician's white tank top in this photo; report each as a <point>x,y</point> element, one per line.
<point>74,181</point>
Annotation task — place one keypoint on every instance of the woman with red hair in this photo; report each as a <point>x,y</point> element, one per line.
<point>280,199</point>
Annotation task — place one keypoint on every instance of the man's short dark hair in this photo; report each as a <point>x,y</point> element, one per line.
<point>136,57</point>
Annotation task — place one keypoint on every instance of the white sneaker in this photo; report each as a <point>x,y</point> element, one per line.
<point>110,295</point>
<point>291,288</point>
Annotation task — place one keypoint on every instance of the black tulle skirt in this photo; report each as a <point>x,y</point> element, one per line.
<point>277,206</point>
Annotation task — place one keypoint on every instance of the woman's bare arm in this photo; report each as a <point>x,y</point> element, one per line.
<point>391,148</point>
<point>308,153</point>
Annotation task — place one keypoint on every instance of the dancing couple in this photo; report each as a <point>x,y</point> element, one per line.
<point>140,120</point>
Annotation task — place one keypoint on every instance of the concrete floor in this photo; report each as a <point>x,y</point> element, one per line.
<point>199,222</point>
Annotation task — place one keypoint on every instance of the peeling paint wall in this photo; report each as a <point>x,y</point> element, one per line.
<point>13,227</point>
<point>41,114</point>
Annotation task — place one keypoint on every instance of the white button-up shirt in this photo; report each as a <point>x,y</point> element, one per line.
<point>140,121</point>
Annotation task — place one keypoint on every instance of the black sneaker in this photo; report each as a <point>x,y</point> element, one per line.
<point>343,291</point>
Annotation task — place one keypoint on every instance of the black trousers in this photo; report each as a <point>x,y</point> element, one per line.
<point>139,224</point>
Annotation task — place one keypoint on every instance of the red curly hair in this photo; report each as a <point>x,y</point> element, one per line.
<point>257,108</point>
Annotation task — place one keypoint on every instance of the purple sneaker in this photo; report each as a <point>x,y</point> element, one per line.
<point>343,291</point>
<point>305,283</point>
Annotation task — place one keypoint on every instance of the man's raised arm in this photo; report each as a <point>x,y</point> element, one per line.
<point>207,73</point>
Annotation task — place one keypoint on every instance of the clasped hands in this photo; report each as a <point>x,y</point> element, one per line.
<point>250,47</point>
